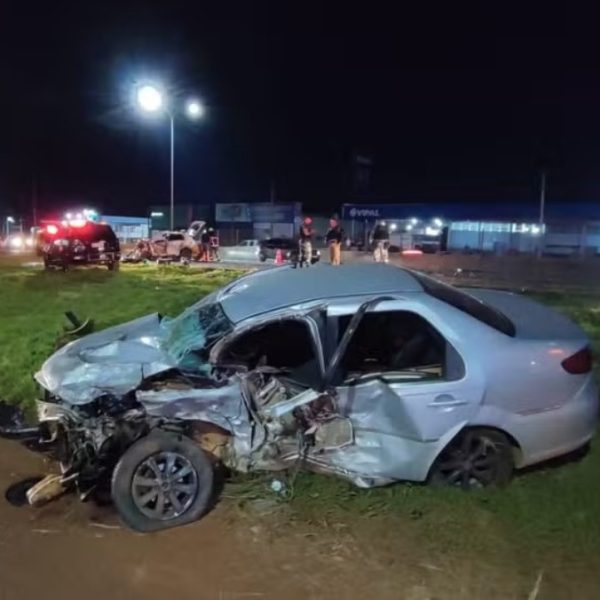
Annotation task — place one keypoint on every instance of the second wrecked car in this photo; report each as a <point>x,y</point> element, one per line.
<point>369,372</point>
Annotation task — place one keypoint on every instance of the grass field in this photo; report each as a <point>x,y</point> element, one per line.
<point>547,519</point>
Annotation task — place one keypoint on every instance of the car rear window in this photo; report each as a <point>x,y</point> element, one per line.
<point>90,233</point>
<point>472,306</point>
<point>282,243</point>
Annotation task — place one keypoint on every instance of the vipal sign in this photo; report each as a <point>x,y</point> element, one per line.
<point>363,213</point>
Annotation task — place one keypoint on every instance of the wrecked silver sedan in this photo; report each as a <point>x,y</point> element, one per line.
<point>369,372</point>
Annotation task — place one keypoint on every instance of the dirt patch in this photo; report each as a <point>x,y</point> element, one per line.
<point>261,550</point>
<point>68,549</point>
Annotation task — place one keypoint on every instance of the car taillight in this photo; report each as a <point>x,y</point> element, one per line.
<point>579,363</point>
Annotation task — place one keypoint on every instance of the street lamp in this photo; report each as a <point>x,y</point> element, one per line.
<point>9,220</point>
<point>151,99</point>
<point>194,109</point>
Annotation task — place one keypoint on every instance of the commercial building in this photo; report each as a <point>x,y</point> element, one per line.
<point>238,221</point>
<point>128,229</point>
<point>568,228</point>
<point>183,215</point>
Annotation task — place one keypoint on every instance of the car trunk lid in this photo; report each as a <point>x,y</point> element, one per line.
<point>532,320</point>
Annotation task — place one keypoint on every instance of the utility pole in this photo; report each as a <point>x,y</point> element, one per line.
<point>172,220</point>
<point>540,244</point>
<point>543,199</point>
<point>34,201</point>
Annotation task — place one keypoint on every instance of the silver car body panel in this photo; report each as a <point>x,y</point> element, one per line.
<point>245,251</point>
<point>115,361</point>
<point>397,426</point>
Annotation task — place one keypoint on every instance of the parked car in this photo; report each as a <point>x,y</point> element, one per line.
<point>245,251</point>
<point>368,372</point>
<point>288,247</point>
<point>87,244</point>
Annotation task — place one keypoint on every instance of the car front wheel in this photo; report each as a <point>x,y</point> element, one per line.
<point>164,480</point>
<point>476,458</point>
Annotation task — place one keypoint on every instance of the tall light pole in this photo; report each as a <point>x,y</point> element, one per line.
<point>152,100</point>
<point>9,220</point>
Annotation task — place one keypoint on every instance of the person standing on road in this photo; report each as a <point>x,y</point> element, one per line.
<point>305,243</point>
<point>214,244</point>
<point>381,241</point>
<point>205,244</point>
<point>334,237</point>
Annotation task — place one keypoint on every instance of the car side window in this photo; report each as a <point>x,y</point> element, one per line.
<point>175,237</point>
<point>286,344</point>
<point>400,342</point>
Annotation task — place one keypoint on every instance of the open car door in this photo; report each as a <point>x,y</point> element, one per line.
<point>384,426</point>
<point>401,419</point>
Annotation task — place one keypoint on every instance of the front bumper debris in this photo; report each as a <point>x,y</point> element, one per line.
<point>12,424</point>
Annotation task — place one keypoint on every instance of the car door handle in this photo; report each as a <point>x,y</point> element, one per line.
<point>446,401</point>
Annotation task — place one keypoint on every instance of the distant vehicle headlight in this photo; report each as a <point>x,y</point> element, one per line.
<point>29,242</point>
<point>16,242</point>
<point>318,253</point>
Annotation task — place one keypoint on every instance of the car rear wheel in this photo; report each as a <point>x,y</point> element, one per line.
<point>185,254</point>
<point>477,458</point>
<point>262,257</point>
<point>164,480</point>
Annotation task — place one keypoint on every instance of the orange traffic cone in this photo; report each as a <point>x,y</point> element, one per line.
<point>278,257</point>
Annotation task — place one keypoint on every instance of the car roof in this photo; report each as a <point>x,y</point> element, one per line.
<point>265,291</point>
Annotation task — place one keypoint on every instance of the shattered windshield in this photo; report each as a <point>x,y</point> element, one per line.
<point>192,334</point>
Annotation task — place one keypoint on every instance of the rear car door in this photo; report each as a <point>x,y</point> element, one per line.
<point>175,243</point>
<point>404,386</point>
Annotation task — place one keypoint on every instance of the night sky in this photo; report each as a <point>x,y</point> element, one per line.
<point>450,104</point>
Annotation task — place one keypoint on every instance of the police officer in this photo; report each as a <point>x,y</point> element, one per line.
<point>205,244</point>
<point>381,240</point>
<point>333,238</point>
<point>305,242</point>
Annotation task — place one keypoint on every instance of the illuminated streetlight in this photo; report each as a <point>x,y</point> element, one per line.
<point>195,109</point>
<point>9,220</point>
<point>150,99</point>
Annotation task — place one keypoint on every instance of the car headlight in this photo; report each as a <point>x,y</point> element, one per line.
<point>318,253</point>
<point>16,242</point>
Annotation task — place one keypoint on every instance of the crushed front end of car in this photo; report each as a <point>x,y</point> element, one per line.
<point>113,400</point>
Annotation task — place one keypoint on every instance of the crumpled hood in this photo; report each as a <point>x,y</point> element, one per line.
<point>112,361</point>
